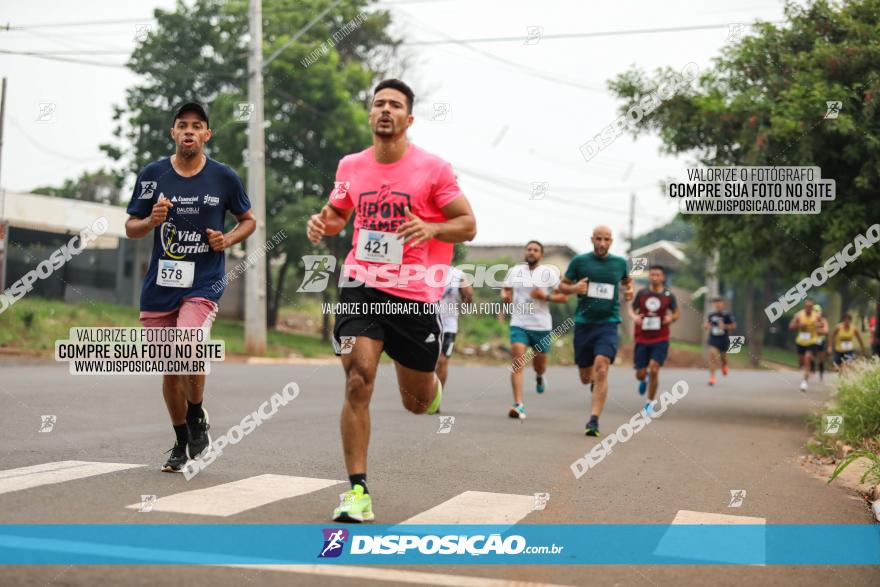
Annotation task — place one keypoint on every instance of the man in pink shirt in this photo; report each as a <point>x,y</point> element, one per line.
<point>408,212</point>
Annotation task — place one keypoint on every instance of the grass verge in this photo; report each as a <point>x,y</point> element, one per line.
<point>849,426</point>
<point>34,324</point>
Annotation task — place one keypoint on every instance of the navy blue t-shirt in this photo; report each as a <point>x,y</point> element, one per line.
<point>199,202</point>
<point>718,320</point>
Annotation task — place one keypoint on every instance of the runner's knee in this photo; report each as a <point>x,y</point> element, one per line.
<point>358,387</point>
<point>412,403</point>
<point>585,376</point>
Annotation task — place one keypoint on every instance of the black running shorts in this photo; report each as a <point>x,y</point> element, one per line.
<point>410,330</point>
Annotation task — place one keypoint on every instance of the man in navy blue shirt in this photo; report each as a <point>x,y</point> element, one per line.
<point>720,325</point>
<point>183,201</point>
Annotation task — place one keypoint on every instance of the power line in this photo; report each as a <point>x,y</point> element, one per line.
<point>73,52</point>
<point>46,149</point>
<point>518,66</point>
<point>146,19</point>
<point>46,25</point>
<point>556,200</point>
<point>64,59</point>
<point>521,38</point>
<point>67,41</point>
<point>516,183</point>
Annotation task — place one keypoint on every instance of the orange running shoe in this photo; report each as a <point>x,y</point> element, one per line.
<point>711,380</point>
<point>724,370</point>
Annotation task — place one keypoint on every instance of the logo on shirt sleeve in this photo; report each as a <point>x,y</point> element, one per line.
<point>340,190</point>
<point>148,188</point>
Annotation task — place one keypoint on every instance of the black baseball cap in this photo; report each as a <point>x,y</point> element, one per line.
<point>191,107</point>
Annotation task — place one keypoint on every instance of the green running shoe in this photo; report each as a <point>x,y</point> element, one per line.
<point>434,408</point>
<point>356,507</point>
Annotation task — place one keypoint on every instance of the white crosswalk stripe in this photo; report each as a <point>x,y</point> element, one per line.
<point>478,507</point>
<point>57,472</point>
<point>233,498</point>
<point>370,574</point>
<point>228,499</point>
<point>669,543</point>
<point>690,517</point>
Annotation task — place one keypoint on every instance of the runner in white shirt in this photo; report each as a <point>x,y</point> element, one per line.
<point>530,287</point>
<point>455,290</point>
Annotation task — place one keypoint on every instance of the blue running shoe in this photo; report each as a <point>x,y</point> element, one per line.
<point>643,386</point>
<point>649,409</point>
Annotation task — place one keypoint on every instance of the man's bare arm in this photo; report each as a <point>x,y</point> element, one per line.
<point>136,228</point>
<point>459,226</point>
<point>247,224</point>
<point>569,287</point>
<point>328,222</point>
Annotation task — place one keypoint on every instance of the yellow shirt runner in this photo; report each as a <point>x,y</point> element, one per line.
<point>844,339</point>
<point>807,326</point>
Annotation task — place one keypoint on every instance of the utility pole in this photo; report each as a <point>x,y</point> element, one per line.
<point>4,230</point>
<point>711,281</point>
<point>632,221</point>
<point>255,277</point>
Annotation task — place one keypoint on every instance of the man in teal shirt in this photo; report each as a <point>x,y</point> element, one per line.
<point>596,279</point>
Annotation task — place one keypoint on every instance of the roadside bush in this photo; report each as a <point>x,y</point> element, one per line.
<point>857,400</point>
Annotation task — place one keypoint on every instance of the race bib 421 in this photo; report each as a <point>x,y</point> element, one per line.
<point>379,247</point>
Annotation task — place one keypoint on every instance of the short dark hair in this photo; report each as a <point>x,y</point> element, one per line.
<point>537,243</point>
<point>396,84</point>
<point>660,267</point>
<point>717,299</point>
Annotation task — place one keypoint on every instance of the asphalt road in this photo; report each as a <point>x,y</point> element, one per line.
<point>745,433</point>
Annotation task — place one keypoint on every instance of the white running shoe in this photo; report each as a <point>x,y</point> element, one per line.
<point>804,386</point>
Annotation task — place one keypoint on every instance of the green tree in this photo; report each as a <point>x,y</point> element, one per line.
<point>764,103</point>
<point>676,230</point>
<point>315,111</point>
<point>100,186</point>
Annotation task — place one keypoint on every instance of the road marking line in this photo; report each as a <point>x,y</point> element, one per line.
<point>668,547</point>
<point>57,472</point>
<point>477,507</point>
<point>703,518</point>
<point>365,573</point>
<point>233,498</point>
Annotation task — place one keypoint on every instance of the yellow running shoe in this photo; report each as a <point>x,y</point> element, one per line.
<point>356,507</point>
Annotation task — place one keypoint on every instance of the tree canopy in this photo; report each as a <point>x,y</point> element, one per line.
<point>764,103</point>
<point>314,108</point>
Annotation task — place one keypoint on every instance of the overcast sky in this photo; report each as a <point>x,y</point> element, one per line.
<point>516,111</point>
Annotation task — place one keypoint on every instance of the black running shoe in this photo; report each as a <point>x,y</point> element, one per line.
<point>592,428</point>
<point>177,459</point>
<point>198,436</point>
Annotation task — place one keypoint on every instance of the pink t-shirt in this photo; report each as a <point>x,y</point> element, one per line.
<point>379,192</point>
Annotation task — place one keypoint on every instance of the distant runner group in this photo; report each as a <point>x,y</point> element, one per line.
<point>409,211</point>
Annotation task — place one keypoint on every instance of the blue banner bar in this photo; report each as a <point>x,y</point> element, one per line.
<point>530,544</point>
